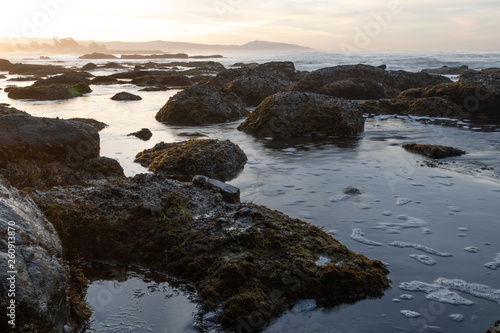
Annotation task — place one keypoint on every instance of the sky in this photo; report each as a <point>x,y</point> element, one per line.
<point>326,25</point>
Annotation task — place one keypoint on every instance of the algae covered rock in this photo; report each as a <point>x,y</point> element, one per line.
<point>49,92</point>
<point>33,272</point>
<point>125,96</point>
<point>433,151</point>
<point>247,262</point>
<point>290,114</point>
<point>201,105</point>
<point>221,160</point>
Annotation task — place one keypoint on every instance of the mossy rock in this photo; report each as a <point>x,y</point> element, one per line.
<point>221,160</point>
<point>433,151</point>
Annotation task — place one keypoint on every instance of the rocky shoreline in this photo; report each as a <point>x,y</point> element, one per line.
<point>248,263</point>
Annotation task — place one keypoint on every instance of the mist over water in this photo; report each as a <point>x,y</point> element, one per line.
<point>451,210</point>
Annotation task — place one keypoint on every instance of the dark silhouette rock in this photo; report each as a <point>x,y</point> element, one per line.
<point>104,80</point>
<point>89,67</point>
<point>304,114</point>
<point>135,74</point>
<point>200,105</point>
<point>99,126</point>
<point>62,79</point>
<point>125,96</point>
<point>495,328</point>
<point>5,65</point>
<point>144,134</point>
<point>221,160</point>
<point>6,110</point>
<point>112,65</point>
<point>373,82</point>
<point>433,151</point>
<point>170,80</point>
<point>446,70</point>
<point>97,55</point>
<point>49,92</point>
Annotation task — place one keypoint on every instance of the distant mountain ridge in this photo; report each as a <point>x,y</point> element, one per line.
<point>254,46</point>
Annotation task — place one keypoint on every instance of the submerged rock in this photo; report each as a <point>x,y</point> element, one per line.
<point>221,160</point>
<point>104,80</point>
<point>201,105</point>
<point>240,257</point>
<point>433,151</point>
<point>144,134</point>
<point>125,96</point>
<point>495,328</point>
<point>43,295</point>
<point>99,126</point>
<point>304,114</point>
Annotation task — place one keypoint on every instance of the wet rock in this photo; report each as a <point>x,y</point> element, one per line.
<point>446,70</point>
<point>230,194</point>
<point>495,328</point>
<point>23,78</point>
<point>363,81</point>
<point>221,160</point>
<point>172,80</point>
<point>97,55</point>
<point>89,67</point>
<point>125,96</point>
<point>224,78</point>
<point>49,92</point>
<point>139,73</point>
<point>104,80</point>
<point>42,282</point>
<point>201,105</point>
<point>433,151</point>
<point>350,190</point>
<point>32,69</point>
<point>99,126</point>
<point>63,79</point>
<point>247,65</point>
<point>6,109</point>
<point>304,114</point>
<point>285,69</point>
<point>144,134</point>
<point>185,231</point>
<point>112,65</point>
<point>5,65</point>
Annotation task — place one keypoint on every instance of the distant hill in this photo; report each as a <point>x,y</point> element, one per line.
<point>254,46</point>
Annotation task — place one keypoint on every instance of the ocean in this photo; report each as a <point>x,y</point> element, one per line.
<point>451,209</point>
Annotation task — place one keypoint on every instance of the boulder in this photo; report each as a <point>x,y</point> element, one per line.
<point>97,55</point>
<point>125,96</point>
<point>6,110</point>
<point>175,80</point>
<point>230,193</point>
<point>5,65</point>
<point>144,134</point>
<point>188,232</point>
<point>62,79</point>
<point>495,328</point>
<point>49,92</point>
<point>364,82</point>
<point>295,113</point>
<point>285,69</point>
<point>138,73</point>
<point>201,105</point>
<point>44,298</point>
<point>447,70</point>
<point>104,80</point>
<point>32,69</point>
<point>433,151</point>
<point>89,67</point>
<point>112,65</point>
<point>99,126</point>
<point>221,160</point>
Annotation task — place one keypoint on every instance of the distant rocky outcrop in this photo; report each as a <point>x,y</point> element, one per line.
<point>221,160</point>
<point>447,70</point>
<point>97,55</point>
<point>126,96</point>
<point>155,56</point>
<point>201,105</point>
<point>476,95</point>
<point>44,299</point>
<point>289,114</point>
<point>360,82</point>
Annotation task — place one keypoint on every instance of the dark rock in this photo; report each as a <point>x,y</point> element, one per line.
<point>6,109</point>
<point>104,80</point>
<point>144,134</point>
<point>230,194</point>
<point>112,65</point>
<point>96,55</point>
<point>135,74</point>
<point>23,79</point>
<point>201,105</point>
<point>125,96</point>
<point>186,231</point>
<point>32,69</point>
<point>285,69</point>
<point>49,92</point>
<point>304,114</point>
<point>445,70</point>
<point>352,191</point>
<point>224,78</point>
<point>5,65</point>
<point>89,67</point>
<point>495,328</point>
<point>42,281</point>
<point>2,76</point>
<point>374,82</point>
<point>433,151</point>
<point>27,136</point>
<point>213,56</point>
<point>172,80</point>
<point>254,87</point>
<point>44,58</point>
<point>99,126</point>
<point>382,67</point>
<point>248,65</point>
<point>62,79</point>
<point>156,56</point>
<point>221,160</point>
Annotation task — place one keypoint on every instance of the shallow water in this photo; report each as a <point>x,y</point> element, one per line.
<point>451,209</point>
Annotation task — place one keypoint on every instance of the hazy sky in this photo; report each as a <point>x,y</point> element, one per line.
<point>330,25</point>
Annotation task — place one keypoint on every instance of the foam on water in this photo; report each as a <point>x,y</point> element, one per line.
<point>471,249</point>
<point>402,201</point>
<point>359,236</point>
<point>406,297</point>
<point>338,198</point>
<point>424,259</point>
<point>420,247</point>
<point>304,305</point>
<point>458,317</point>
<point>494,264</point>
